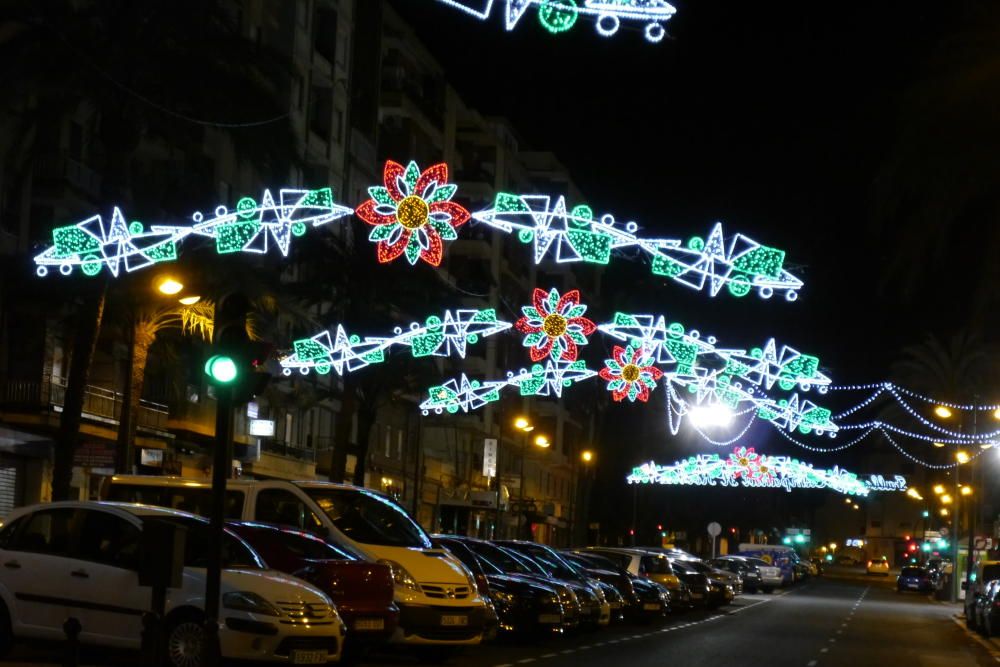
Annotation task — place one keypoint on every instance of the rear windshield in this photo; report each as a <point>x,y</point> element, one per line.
<point>236,555</point>
<point>368,518</point>
<point>991,572</point>
<point>623,560</point>
<point>656,565</point>
<point>911,572</point>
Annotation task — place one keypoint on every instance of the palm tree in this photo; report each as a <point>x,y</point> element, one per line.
<point>955,370</point>
<point>143,325</point>
<point>147,72</point>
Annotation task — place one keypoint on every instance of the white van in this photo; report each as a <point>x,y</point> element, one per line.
<point>437,596</point>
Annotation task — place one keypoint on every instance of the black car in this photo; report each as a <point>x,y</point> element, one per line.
<point>522,604</point>
<point>697,583</point>
<point>912,578</point>
<point>730,583</point>
<point>552,565</point>
<point>640,602</point>
<point>747,571</point>
<point>512,563</point>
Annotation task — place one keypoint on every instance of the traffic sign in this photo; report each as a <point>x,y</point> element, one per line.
<point>714,529</point>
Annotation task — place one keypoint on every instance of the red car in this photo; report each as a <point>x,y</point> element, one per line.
<point>362,590</point>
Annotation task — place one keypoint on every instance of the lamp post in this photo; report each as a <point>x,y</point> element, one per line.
<point>586,458</point>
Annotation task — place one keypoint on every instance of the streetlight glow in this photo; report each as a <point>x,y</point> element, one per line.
<point>169,286</point>
<point>966,491</point>
<point>714,415</point>
<point>939,444</point>
<point>189,300</point>
<point>523,424</point>
<point>943,412</point>
<point>996,414</point>
<point>913,493</point>
<point>962,456</point>
<point>946,499</point>
<point>944,511</point>
<point>938,489</point>
<point>542,441</point>
<point>587,456</point>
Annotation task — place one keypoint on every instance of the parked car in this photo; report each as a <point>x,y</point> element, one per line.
<point>523,605</point>
<point>878,566</point>
<point>361,590</point>
<point>556,567</point>
<point>511,563</point>
<point>983,573</point>
<point>770,575</point>
<point>818,564</point>
<point>437,596</point>
<point>713,591</point>
<point>81,559</point>
<point>988,609</point>
<point>640,563</point>
<point>912,578</point>
<point>605,572</point>
<point>748,572</point>
<point>724,577</point>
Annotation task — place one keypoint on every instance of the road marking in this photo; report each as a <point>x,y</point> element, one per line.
<point>840,632</point>
<point>550,655</point>
<point>568,651</point>
<point>525,661</point>
<point>824,650</point>
<point>812,663</point>
<point>832,640</point>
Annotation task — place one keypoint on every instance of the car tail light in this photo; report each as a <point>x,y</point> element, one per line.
<point>869,563</point>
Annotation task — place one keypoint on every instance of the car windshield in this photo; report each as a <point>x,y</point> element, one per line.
<point>554,566</point>
<point>499,558</point>
<point>368,518</point>
<point>236,555</point>
<point>911,572</point>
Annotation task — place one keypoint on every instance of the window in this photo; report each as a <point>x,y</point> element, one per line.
<point>312,548</point>
<point>189,499</point>
<point>7,533</point>
<point>369,518</point>
<point>284,508</point>
<point>235,554</point>
<point>325,33</point>
<point>109,540</point>
<point>46,532</point>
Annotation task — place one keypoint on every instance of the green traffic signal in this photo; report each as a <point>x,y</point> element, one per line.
<point>221,369</point>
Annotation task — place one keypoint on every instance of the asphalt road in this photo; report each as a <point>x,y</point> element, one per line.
<point>826,622</point>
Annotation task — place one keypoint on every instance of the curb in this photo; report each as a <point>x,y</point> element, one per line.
<point>982,641</point>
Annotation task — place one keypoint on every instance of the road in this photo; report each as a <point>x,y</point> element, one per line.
<point>825,622</point>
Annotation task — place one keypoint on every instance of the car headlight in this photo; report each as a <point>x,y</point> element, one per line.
<point>403,578</point>
<point>250,602</point>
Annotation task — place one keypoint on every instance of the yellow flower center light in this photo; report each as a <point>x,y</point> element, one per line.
<point>630,373</point>
<point>554,325</point>
<point>413,212</point>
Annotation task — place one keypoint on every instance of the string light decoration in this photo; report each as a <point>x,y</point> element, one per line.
<point>630,373</point>
<point>91,245</point>
<point>737,263</point>
<point>467,395</point>
<point>251,226</point>
<point>437,336</point>
<point>559,16</point>
<point>554,325</point>
<point>412,214</point>
<point>745,467</point>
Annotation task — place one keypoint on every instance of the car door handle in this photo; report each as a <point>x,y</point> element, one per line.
<point>12,565</point>
<point>82,574</point>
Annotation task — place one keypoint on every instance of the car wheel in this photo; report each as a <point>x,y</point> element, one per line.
<point>6,631</point>
<point>184,640</point>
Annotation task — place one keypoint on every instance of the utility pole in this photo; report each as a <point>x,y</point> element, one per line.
<point>221,467</point>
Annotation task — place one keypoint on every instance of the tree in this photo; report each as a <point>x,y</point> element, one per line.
<point>142,326</point>
<point>140,70</point>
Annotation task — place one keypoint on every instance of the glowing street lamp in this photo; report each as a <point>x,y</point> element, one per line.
<point>938,444</point>
<point>944,511</point>
<point>542,441</point>
<point>523,424</point>
<point>913,493</point>
<point>169,286</point>
<point>962,456</point>
<point>587,456</point>
<point>966,490</point>
<point>938,489</point>
<point>189,300</point>
<point>943,412</point>
<point>946,499</point>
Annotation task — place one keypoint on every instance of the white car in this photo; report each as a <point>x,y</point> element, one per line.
<point>878,566</point>
<point>770,575</point>
<point>80,560</point>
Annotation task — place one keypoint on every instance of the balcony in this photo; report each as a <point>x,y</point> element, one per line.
<point>99,403</point>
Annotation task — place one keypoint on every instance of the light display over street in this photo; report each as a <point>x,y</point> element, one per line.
<point>437,336</point>
<point>558,16</point>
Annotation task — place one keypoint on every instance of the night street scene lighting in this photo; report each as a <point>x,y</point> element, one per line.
<point>486,333</point>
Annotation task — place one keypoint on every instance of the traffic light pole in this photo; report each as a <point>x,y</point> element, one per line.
<point>221,465</point>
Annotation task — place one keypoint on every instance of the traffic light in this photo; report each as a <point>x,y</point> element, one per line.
<point>236,361</point>
<point>786,540</point>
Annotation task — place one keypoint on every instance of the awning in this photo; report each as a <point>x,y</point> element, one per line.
<point>20,443</point>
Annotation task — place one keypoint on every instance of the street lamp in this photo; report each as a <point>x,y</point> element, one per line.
<point>962,456</point>
<point>913,493</point>
<point>946,499</point>
<point>966,490</point>
<point>587,456</point>
<point>938,444</point>
<point>169,286</point>
<point>944,511</point>
<point>522,424</point>
<point>943,412</point>
<point>938,489</point>
<point>542,441</point>
<point>189,300</point>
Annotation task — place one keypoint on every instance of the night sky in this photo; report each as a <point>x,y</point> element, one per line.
<point>784,121</point>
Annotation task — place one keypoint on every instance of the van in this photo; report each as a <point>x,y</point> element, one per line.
<point>437,596</point>
<point>983,573</point>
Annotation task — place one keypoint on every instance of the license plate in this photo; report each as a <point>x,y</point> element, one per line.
<point>913,585</point>
<point>308,657</point>
<point>454,620</point>
<point>549,618</point>
<point>651,606</point>
<point>369,624</point>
